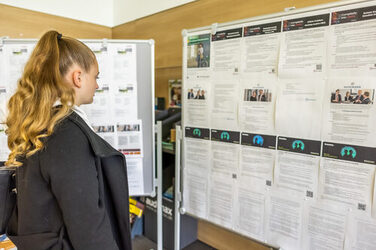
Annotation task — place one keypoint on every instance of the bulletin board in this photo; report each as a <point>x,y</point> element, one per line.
<point>278,120</point>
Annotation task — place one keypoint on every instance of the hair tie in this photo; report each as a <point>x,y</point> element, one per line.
<point>59,36</point>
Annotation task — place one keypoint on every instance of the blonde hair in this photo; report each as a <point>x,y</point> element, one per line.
<point>31,113</point>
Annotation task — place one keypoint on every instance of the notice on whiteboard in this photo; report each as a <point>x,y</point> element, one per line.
<point>196,169</point>
<point>297,166</point>
<point>221,201</point>
<point>260,47</point>
<point>284,215</point>
<point>324,226</point>
<point>352,43</point>
<point>225,149</point>
<point>349,111</point>
<point>299,107</point>
<point>346,175</point>
<point>303,46</point>
<point>135,173</point>
<point>257,105</point>
<point>250,212</point>
<point>257,157</point>
<point>361,232</point>
<point>197,103</point>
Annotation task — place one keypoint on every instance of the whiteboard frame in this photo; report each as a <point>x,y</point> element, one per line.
<point>212,29</point>
<point>151,182</point>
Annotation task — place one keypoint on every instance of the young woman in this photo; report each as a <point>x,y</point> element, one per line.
<point>72,189</point>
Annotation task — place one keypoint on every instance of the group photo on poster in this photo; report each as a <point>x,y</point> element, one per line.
<point>349,113</point>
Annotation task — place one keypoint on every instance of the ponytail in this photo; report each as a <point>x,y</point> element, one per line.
<point>31,116</point>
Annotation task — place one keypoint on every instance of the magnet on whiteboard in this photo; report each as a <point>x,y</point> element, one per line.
<point>182,210</point>
<point>184,32</point>
<point>290,8</point>
<point>104,42</point>
<point>214,27</point>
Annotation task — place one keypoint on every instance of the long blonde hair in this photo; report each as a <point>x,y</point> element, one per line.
<point>31,113</point>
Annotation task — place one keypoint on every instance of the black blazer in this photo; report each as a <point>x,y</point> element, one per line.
<point>73,194</point>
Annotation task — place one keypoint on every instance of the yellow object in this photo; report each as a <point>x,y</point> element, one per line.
<point>135,210</point>
<point>7,245</point>
<point>173,135</point>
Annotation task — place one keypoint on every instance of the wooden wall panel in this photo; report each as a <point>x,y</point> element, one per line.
<point>165,27</point>
<point>225,240</point>
<point>22,23</point>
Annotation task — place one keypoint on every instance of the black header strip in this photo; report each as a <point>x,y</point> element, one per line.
<point>349,152</point>
<point>198,133</point>
<point>258,140</point>
<point>262,29</point>
<point>354,15</point>
<point>299,145</point>
<point>225,136</point>
<point>306,22</point>
<point>227,34</point>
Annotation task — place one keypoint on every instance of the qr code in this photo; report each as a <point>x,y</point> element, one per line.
<point>318,67</point>
<point>362,206</point>
<point>268,183</point>
<point>310,194</point>
<point>234,176</point>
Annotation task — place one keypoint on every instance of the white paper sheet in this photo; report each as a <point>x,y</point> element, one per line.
<point>324,226</point>
<point>260,47</point>
<point>16,56</point>
<point>299,107</point>
<point>250,212</point>
<point>4,150</point>
<point>257,104</point>
<point>221,201</point>
<point>349,112</point>
<point>124,81</point>
<point>360,233</point>
<point>284,220</point>
<point>196,193</point>
<point>256,165</point>
<point>129,138</point>
<point>352,41</point>
<point>303,45</point>
<point>297,173</point>
<point>224,107</point>
<point>224,158</point>
<point>225,50</point>
<point>135,176</point>
<point>347,183</point>
<point>196,103</point>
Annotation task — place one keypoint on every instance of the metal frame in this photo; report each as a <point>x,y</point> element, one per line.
<point>7,40</point>
<point>159,186</point>
<point>289,11</point>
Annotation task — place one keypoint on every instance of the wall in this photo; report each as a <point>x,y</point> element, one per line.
<point>129,10</point>
<point>165,28</point>
<point>21,23</point>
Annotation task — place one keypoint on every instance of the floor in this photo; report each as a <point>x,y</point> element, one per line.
<point>143,243</point>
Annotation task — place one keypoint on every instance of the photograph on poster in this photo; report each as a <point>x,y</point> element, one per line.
<point>198,51</point>
<point>128,127</point>
<point>257,95</point>
<point>352,96</point>
<point>103,129</point>
<point>196,93</point>
<point>174,90</point>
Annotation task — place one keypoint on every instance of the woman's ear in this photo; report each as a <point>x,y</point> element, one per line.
<point>77,78</point>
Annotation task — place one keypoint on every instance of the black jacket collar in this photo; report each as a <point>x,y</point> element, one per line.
<point>100,147</point>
